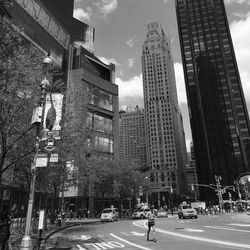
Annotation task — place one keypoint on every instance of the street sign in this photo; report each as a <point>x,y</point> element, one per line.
<point>41,160</point>
<point>53,157</point>
<point>50,144</point>
<point>41,219</point>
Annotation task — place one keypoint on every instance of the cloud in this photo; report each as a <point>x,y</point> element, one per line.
<point>131,62</point>
<point>130,88</point>
<point>108,60</point>
<point>180,83</point>
<point>131,42</point>
<point>106,6</point>
<point>82,15</point>
<point>241,39</point>
<point>240,15</point>
<point>237,1</point>
<point>188,142</point>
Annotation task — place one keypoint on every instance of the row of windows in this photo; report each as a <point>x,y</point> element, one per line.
<point>99,123</point>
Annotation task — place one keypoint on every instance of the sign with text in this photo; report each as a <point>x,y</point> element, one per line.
<point>41,160</point>
<point>41,219</point>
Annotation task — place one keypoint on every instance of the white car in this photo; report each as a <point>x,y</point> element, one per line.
<point>162,213</point>
<point>187,211</point>
<point>109,214</point>
<point>141,213</point>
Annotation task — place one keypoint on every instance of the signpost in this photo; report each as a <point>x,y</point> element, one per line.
<point>41,160</point>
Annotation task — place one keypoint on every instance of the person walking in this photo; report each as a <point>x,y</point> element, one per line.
<point>151,223</point>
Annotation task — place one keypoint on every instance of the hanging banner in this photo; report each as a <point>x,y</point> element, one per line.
<point>52,116</point>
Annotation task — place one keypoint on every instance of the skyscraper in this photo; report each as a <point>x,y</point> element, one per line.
<point>166,149</point>
<point>218,113</point>
<point>133,137</point>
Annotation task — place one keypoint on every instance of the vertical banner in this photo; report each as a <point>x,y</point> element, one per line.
<point>52,116</point>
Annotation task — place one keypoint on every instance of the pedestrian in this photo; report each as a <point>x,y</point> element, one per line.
<point>151,223</point>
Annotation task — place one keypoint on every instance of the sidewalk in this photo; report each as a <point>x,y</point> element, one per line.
<point>245,216</point>
<point>17,235</point>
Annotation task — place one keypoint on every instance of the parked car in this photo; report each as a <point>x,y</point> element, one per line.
<point>161,212</point>
<point>109,214</point>
<point>141,213</point>
<point>186,211</point>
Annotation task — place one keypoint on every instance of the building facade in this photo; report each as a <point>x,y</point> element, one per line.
<point>89,83</point>
<point>192,174</point>
<point>166,149</point>
<point>92,99</point>
<point>133,137</point>
<point>218,113</point>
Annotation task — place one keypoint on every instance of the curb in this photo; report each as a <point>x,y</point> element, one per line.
<point>69,226</point>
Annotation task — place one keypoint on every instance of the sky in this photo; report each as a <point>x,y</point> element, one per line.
<point>120,31</point>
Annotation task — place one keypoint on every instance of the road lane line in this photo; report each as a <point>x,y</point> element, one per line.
<point>129,242</point>
<point>219,242</point>
<point>239,224</point>
<point>227,228</point>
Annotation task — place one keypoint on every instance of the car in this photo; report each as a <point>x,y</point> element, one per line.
<point>186,211</point>
<point>109,214</point>
<point>162,213</point>
<point>141,213</point>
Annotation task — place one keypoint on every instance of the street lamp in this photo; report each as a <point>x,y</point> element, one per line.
<point>219,190</point>
<point>26,243</point>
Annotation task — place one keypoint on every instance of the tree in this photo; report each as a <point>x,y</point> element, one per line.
<point>20,77</point>
<point>128,180</point>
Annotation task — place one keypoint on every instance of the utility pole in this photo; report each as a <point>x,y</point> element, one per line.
<point>219,190</point>
<point>26,243</point>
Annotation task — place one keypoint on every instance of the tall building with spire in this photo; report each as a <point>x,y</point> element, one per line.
<point>166,148</point>
<point>218,113</point>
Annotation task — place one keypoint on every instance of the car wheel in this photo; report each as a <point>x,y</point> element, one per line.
<point>141,217</point>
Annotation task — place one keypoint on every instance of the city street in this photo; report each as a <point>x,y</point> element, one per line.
<point>228,231</point>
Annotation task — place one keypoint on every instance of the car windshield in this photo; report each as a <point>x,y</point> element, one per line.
<point>186,207</point>
<point>107,211</point>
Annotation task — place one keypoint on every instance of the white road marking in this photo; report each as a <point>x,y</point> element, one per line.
<point>239,225</point>
<point>219,242</point>
<point>229,229</point>
<point>85,237</point>
<point>137,234</point>
<point>193,230</point>
<point>129,242</point>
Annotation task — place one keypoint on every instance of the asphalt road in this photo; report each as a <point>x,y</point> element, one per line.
<point>217,232</point>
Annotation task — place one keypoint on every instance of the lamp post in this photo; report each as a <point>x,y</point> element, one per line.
<point>219,190</point>
<point>26,243</point>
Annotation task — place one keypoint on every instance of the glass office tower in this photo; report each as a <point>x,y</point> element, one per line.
<point>218,112</point>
